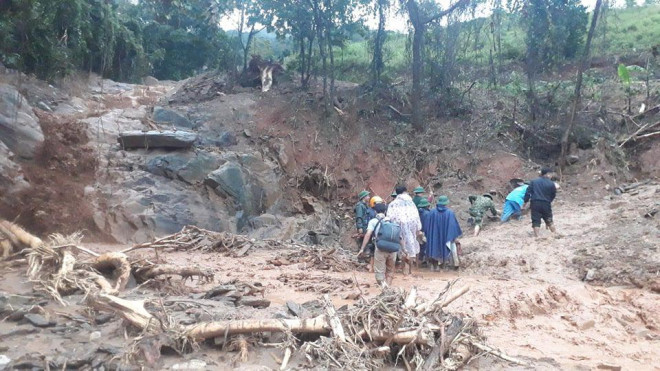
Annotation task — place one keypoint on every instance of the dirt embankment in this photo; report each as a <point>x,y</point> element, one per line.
<point>63,165</point>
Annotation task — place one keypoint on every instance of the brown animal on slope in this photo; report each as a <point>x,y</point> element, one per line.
<point>13,238</point>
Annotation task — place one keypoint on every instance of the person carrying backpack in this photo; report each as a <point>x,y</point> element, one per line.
<point>387,239</point>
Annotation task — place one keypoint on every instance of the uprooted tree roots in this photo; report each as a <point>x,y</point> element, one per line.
<point>55,269</point>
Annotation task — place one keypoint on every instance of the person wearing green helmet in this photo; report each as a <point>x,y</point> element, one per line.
<point>419,195</point>
<point>442,231</point>
<point>424,209</point>
<point>479,206</point>
<point>393,196</point>
<point>361,218</point>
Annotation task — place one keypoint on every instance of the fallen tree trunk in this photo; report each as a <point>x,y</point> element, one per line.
<point>132,311</point>
<point>317,325</point>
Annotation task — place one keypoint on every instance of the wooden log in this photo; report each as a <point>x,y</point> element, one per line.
<point>411,300</point>
<point>131,310</point>
<point>497,353</point>
<point>285,360</point>
<point>405,336</point>
<point>455,296</point>
<point>426,308</point>
<point>317,325</point>
<point>335,323</point>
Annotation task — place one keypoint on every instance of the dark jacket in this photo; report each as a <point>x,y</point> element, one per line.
<point>361,217</point>
<point>541,189</point>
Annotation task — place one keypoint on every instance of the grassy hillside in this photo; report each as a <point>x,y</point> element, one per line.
<point>621,31</point>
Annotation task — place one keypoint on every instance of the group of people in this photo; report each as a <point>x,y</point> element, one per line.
<point>409,230</point>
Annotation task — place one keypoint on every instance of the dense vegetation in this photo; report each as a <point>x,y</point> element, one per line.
<point>121,40</point>
<point>447,51</point>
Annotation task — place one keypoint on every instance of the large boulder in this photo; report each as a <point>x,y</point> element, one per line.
<point>168,117</point>
<point>250,181</point>
<point>188,167</point>
<point>140,207</point>
<point>19,128</point>
<point>156,139</point>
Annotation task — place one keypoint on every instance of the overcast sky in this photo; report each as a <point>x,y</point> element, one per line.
<point>398,22</point>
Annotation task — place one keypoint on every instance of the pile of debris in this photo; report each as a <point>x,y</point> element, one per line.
<point>57,268</point>
<point>322,284</point>
<point>395,327</point>
<point>392,328</point>
<point>206,86</point>
<point>195,238</point>
<point>332,259</point>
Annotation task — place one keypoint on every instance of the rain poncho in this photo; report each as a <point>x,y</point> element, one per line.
<point>441,227</point>
<point>403,211</point>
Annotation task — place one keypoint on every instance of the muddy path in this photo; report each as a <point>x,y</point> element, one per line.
<point>526,294</point>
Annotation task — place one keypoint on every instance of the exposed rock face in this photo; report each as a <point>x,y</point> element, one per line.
<point>156,139</point>
<point>143,206</point>
<point>11,174</point>
<point>249,181</point>
<point>188,167</point>
<point>168,117</point>
<point>19,129</point>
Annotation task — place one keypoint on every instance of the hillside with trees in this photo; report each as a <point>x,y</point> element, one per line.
<point>182,184</point>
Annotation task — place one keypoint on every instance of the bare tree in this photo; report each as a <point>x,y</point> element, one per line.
<point>584,63</point>
<point>419,21</point>
<point>377,64</point>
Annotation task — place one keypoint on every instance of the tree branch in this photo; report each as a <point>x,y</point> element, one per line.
<point>445,12</point>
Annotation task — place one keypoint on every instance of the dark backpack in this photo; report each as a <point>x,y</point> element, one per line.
<point>388,236</point>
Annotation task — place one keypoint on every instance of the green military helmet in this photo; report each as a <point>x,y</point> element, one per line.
<point>424,203</point>
<point>443,200</point>
<point>419,190</point>
<point>363,194</point>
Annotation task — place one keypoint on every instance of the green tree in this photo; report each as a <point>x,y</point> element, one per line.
<point>377,64</point>
<point>554,30</point>
<point>420,17</point>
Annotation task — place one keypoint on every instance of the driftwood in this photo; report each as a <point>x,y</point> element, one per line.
<point>624,188</point>
<point>130,310</point>
<point>332,259</point>
<point>195,238</point>
<point>119,265</point>
<point>333,320</point>
<point>640,133</point>
<point>146,272</point>
<point>13,239</point>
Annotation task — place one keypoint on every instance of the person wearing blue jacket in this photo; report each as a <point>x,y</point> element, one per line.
<point>442,231</point>
<point>514,203</point>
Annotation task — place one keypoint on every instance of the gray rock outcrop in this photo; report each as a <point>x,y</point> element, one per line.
<point>168,117</point>
<point>19,128</point>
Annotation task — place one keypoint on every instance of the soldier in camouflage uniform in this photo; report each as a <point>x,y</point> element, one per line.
<point>480,206</point>
<point>361,218</point>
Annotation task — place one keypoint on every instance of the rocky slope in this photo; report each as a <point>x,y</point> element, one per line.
<point>221,182</point>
